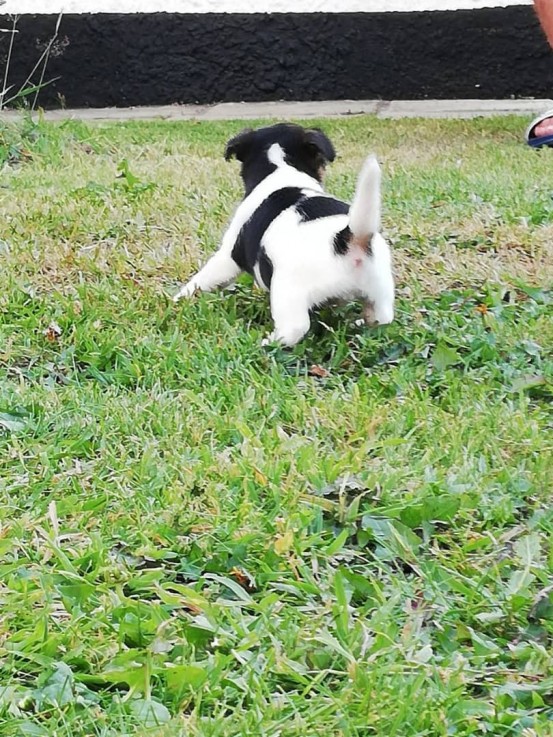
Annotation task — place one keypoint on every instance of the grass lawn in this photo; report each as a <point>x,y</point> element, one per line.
<point>202,537</point>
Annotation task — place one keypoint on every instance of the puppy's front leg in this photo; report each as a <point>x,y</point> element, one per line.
<point>219,271</point>
<point>290,311</point>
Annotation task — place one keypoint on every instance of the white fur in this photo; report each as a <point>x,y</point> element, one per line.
<point>306,269</point>
<point>364,213</point>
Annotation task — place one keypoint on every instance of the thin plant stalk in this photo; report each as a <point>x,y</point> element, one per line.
<point>43,58</point>
<point>43,72</point>
<point>7,70</point>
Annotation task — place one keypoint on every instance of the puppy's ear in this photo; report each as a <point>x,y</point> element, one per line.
<point>318,140</point>
<point>239,145</point>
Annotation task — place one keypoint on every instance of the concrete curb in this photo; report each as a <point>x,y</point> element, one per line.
<point>284,110</point>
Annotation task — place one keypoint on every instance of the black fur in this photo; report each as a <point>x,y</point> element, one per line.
<point>246,251</point>
<point>307,150</point>
<point>238,145</point>
<point>313,208</point>
<point>342,240</point>
<point>265,268</point>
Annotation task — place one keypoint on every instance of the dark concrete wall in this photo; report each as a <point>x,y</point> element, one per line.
<point>167,58</point>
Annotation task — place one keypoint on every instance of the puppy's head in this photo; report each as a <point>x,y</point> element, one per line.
<point>261,151</point>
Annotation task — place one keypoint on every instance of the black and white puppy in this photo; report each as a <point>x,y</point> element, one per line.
<point>302,245</point>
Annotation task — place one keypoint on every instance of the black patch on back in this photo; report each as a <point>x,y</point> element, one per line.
<point>265,268</point>
<point>314,208</point>
<point>247,249</point>
<point>342,240</point>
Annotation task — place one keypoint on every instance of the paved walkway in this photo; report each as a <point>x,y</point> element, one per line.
<point>324,109</point>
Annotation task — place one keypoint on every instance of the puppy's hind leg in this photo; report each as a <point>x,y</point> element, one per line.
<point>379,306</point>
<point>220,270</point>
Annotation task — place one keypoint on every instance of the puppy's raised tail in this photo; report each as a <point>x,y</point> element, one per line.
<point>364,213</point>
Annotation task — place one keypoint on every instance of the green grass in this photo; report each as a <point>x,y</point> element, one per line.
<point>200,538</point>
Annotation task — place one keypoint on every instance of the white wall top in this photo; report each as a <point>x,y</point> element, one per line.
<point>244,6</point>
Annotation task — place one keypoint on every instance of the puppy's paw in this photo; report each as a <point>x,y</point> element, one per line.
<point>187,291</point>
<point>375,315</point>
<point>285,338</point>
<point>270,339</point>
